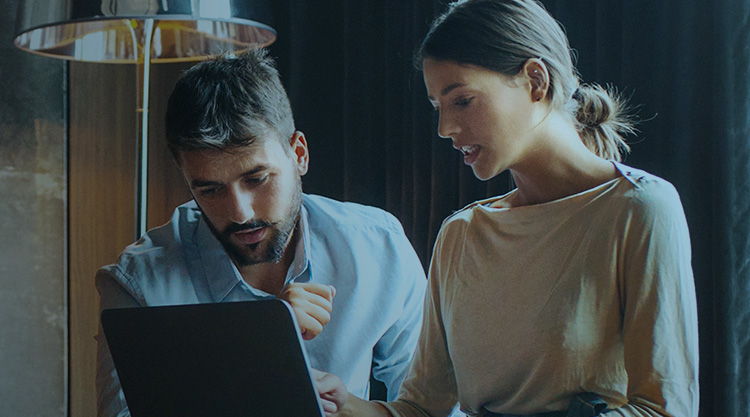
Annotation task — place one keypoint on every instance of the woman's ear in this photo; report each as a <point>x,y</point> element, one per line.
<point>536,72</point>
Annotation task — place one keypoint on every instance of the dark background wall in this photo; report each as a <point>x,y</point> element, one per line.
<point>33,299</point>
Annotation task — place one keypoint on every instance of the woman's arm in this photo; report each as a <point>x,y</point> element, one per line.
<point>660,327</point>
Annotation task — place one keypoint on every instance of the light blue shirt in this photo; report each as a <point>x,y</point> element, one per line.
<point>360,250</point>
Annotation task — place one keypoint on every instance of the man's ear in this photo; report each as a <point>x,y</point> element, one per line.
<point>536,72</point>
<point>300,155</point>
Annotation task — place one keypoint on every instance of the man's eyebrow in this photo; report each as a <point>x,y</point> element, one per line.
<point>448,89</point>
<point>198,183</point>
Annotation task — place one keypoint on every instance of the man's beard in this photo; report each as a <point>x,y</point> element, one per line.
<point>271,248</point>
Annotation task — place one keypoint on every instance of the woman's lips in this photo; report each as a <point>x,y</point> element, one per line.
<point>249,237</point>
<point>470,153</point>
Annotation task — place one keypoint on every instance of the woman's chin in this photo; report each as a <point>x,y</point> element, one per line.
<point>482,173</point>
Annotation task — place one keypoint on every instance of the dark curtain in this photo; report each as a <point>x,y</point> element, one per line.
<point>684,66</point>
<point>726,283</point>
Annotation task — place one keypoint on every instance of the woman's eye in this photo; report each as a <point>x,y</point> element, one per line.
<point>463,101</point>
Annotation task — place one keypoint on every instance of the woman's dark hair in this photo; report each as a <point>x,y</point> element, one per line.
<point>501,35</point>
<point>226,102</point>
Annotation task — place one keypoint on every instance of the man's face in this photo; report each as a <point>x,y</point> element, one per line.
<point>250,196</point>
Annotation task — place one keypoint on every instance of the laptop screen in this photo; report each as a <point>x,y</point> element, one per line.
<point>221,359</point>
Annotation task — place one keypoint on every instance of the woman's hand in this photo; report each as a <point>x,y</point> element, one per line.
<point>332,392</point>
<point>337,402</point>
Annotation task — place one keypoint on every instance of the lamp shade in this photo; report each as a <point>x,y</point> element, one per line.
<point>112,31</point>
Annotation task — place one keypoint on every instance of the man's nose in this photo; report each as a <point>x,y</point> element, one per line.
<point>240,206</point>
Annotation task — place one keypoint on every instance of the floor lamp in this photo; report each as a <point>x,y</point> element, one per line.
<point>142,32</point>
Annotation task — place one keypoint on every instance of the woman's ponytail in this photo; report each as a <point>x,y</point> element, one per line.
<point>602,121</point>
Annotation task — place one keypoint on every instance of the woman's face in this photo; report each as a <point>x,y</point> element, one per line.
<point>488,115</point>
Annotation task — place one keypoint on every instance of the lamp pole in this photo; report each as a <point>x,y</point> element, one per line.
<point>143,82</point>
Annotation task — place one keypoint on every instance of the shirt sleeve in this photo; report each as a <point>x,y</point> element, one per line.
<point>110,401</point>
<point>430,386</point>
<point>660,325</point>
<point>394,351</point>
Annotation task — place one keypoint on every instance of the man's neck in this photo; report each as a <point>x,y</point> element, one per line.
<point>271,277</point>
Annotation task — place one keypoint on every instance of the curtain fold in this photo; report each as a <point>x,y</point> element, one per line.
<point>683,65</point>
<point>728,323</point>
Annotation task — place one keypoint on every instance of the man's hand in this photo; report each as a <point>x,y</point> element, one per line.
<point>312,304</point>
<point>331,390</point>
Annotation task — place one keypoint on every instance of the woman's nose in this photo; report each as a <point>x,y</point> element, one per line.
<point>447,128</point>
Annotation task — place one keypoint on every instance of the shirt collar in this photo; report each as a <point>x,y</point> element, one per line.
<point>301,261</point>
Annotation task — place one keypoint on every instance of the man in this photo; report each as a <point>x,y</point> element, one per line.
<point>349,272</point>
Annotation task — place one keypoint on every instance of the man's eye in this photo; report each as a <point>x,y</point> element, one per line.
<point>257,180</point>
<point>207,192</point>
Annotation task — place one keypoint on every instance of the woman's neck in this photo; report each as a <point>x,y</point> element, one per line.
<point>557,165</point>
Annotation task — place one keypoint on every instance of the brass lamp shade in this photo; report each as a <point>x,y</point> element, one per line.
<point>113,31</point>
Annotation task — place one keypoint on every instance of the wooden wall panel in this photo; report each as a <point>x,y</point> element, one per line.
<point>102,166</point>
<point>166,185</point>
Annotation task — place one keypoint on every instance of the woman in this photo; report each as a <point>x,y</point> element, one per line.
<point>572,295</point>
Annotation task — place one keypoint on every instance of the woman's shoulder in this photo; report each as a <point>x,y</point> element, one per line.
<point>464,215</point>
<point>649,193</point>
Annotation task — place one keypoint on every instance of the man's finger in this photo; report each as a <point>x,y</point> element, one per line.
<point>300,294</point>
<point>323,290</point>
<point>309,327</point>
<point>308,308</point>
<point>320,302</point>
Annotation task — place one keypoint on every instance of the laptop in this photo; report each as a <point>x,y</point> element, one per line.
<point>221,359</point>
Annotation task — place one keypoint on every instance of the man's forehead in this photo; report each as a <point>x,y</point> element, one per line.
<point>258,148</point>
<point>207,163</point>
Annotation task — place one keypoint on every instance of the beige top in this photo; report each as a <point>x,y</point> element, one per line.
<point>528,306</point>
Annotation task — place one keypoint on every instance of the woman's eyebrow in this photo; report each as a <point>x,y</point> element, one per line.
<point>448,89</point>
